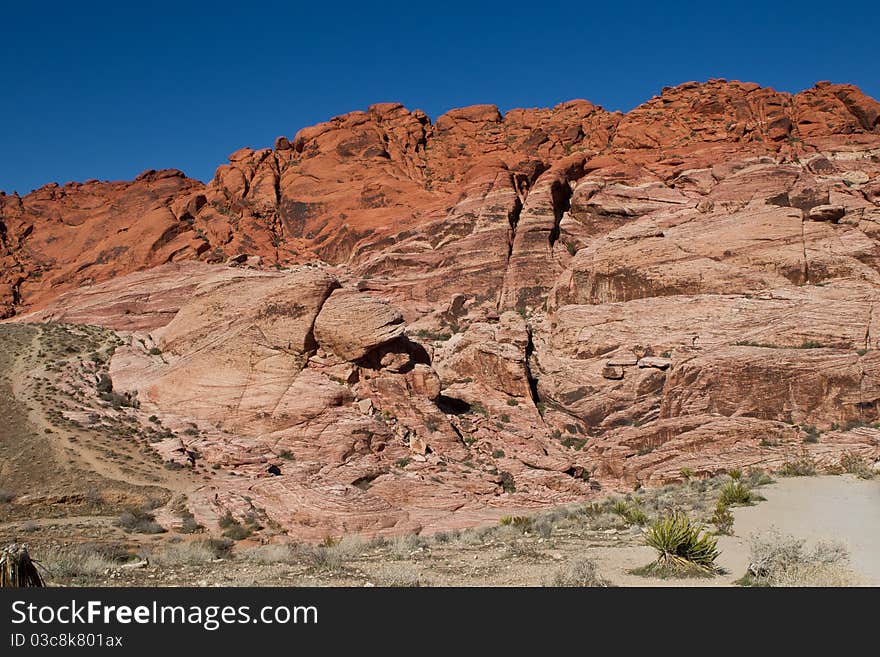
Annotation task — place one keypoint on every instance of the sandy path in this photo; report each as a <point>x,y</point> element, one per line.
<point>841,508</point>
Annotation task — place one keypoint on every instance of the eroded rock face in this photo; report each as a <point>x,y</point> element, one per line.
<point>500,311</point>
<point>351,325</point>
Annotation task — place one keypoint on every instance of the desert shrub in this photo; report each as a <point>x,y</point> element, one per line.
<point>735,474</point>
<point>682,545</point>
<point>332,554</point>
<point>403,546</point>
<point>508,484</point>
<point>512,402</point>
<point>184,553</point>
<point>221,547</point>
<point>85,561</point>
<point>236,531</point>
<point>188,522</point>
<point>631,513</point>
<point>812,434</point>
<point>779,560</point>
<point>543,528</point>
<point>856,465</point>
<point>268,554</point>
<point>523,522</point>
<point>581,572</point>
<point>6,496</point>
<point>722,518</point>
<point>757,477</point>
<point>443,537</point>
<point>802,466</point>
<point>401,575</point>
<point>735,492</point>
<point>139,520</point>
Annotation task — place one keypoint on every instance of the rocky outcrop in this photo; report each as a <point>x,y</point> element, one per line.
<point>351,325</point>
<point>435,323</point>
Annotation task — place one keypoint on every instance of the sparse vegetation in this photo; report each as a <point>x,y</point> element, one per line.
<point>856,465</point>
<point>140,520</point>
<point>333,554</point>
<point>580,572</point>
<point>802,466</point>
<point>233,529</point>
<point>632,513</point>
<point>779,560</point>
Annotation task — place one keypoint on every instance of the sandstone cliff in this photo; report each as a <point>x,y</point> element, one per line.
<point>434,322</point>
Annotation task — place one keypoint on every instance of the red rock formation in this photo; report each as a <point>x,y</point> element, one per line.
<point>511,310</point>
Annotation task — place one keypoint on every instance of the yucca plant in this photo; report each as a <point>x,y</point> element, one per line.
<point>722,518</point>
<point>17,570</point>
<point>682,544</point>
<point>735,492</point>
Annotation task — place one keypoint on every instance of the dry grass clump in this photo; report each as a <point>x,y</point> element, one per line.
<point>780,560</point>
<point>578,573</point>
<point>185,553</point>
<point>6,496</point>
<point>802,466</point>
<point>856,465</point>
<point>403,547</point>
<point>269,554</point>
<point>86,561</point>
<point>333,554</point>
<point>401,576</point>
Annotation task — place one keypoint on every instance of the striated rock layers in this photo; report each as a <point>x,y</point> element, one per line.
<point>421,326</point>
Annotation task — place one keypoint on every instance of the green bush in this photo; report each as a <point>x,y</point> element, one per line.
<point>735,492</point>
<point>722,519</point>
<point>631,513</point>
<point>682,545</point>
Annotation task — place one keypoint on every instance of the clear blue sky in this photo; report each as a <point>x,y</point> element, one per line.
<point>108,89</point>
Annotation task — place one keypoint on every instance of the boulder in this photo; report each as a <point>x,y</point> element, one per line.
<point>350,324</point>
<point>832,213</point>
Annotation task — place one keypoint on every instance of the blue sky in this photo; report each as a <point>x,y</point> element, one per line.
<point>108,89</point>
